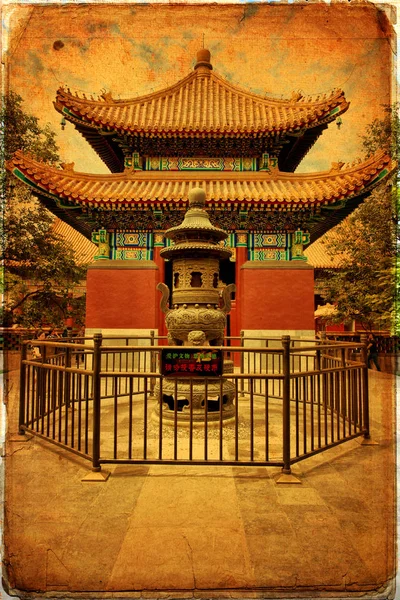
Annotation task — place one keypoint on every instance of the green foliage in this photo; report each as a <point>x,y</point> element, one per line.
<point>40,270</point>
<point>21,131</point>
<point>366,286</point>
<point>384,133</point>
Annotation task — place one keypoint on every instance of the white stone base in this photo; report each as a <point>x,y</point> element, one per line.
<point>265,363</point>
<point>275,336</point>
<point>123,361</point>
<point>117,337</point>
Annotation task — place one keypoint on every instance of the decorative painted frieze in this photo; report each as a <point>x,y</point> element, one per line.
<point>269,254</point>
<point>242,220</point>
<point>159,240</point>
<point>229,242</point>
<point>102,239</point>
<point>267,240</point>
<point>268,162</point>
<point>299,239</point>
<point>269,246</point>
<point>130,254</point>
<point>132,245</point>
<point>200,164</point>
<point>241,240</point>
<point>139,245</point>
<point>132,239</point>
<point>133,161</point>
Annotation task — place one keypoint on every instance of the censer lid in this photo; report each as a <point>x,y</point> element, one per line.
<point>196,219</point>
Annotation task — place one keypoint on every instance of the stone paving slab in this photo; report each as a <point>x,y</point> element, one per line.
<point>204,532</point>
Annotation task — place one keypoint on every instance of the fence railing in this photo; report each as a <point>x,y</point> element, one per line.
<point>292,399</point>
<point>386,344</point>
<point>12,339</point>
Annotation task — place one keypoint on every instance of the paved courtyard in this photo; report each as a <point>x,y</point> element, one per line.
<point>203,532</point>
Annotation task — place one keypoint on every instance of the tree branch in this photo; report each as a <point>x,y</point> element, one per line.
<point>38,293</point>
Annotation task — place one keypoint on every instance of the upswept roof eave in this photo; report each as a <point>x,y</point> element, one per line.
<point>112,102</point>
<point>109,190</point>
<point>342,168</point>
<point>311,103</point>
<point>339,168</point>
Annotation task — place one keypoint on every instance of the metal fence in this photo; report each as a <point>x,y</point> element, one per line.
<point>386,343</point>
<point>293,398</point>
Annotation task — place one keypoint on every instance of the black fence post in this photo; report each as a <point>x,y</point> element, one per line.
<point>242,364</point>
<point>41,383</point>
<point>97,341</point>
<point>364,355</point>
<point>67,365</point>
<point>343,404</point>
<point>152,362</point>
<point>22,390</point>
<point>286,403</point>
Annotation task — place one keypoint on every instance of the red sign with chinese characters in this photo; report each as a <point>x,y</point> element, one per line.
<point>191,362</point>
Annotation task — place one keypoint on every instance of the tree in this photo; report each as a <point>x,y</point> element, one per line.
<point>365,288</point>
<point>40,271</point>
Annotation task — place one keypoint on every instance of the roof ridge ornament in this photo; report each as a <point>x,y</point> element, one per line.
<point>67,166</point>
<point>296,96</point>
<point>107,96</point>
<point>337,166</point>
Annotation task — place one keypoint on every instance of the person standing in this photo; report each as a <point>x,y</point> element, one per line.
<point>372,352</point>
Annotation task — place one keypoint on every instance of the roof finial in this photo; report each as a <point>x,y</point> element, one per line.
<point>203,59</point>
<point>197,198</point>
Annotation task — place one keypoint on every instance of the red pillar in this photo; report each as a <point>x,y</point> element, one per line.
<point>241,255</point>
<point>160,262</point>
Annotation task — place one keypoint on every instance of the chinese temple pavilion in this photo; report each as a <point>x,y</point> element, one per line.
<point>242,149</point>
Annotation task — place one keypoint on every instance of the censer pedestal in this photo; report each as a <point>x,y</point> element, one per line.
<point>192,393</point>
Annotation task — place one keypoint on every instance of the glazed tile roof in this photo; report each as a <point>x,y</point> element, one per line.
<point>201,103</point>
<point>130,189</point>
<point>318,256</point>
<point>84,249</point>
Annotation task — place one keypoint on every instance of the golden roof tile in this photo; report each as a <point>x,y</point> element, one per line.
<point>278,189</point>
<point>318,255</point>
<point>84,249</point>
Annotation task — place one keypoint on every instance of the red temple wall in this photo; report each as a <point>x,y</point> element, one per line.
<point>122,298</point>
<point>335,327</point>
<point>276,298</point>
<point>267,298</point>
